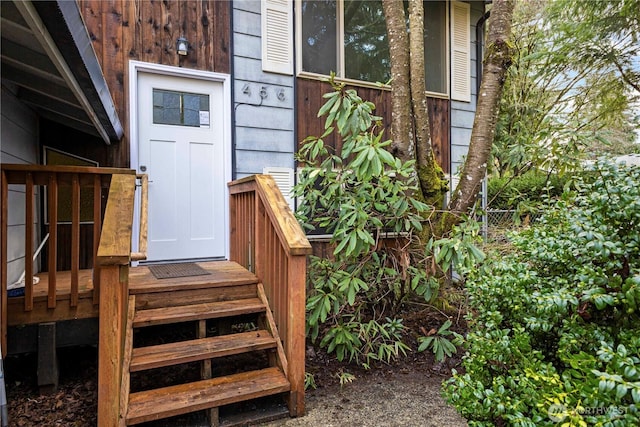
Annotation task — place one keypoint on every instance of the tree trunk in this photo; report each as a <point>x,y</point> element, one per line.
<point>496,63</point>
<point>430,174</point>
<point>418,85</point>
<point>401,126</point>
<point>410,119</point>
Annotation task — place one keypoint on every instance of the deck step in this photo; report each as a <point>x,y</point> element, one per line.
<point>181,399</point>
<point>186,313</point>
<point>157,356</point>
<point>221,274</point>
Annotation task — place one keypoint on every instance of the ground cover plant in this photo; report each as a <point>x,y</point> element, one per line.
<point>554,333</point>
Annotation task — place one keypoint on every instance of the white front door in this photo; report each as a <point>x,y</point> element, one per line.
<point>181,148</point>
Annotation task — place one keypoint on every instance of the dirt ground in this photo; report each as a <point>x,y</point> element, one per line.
<point>402,398</point>
<point>403,394</point>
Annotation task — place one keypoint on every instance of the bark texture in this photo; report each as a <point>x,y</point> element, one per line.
<point>410,119</point>
<point>418,84</point>
<point>430,175</point>
<point>496,62</point>
<point>401,128</point>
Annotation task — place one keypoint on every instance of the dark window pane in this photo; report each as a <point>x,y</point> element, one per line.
<point>171,116</point>
<point>366,50</point>
<point>191,105</point>
<point>319,36</point>
<point>435,44</point>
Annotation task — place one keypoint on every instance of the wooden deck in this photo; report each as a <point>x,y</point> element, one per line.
<point>17,315</point>
<point>141,281</point>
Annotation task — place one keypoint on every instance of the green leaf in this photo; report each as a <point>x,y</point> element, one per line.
<point>621,391</point>
<point>332,98</point>
<point>425,343</point>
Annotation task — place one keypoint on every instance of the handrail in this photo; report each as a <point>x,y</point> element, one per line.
<point>115,240</point>
<point>267,239</point>
<point>144,203</point>
<point>90,170</point>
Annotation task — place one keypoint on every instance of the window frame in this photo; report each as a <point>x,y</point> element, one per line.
<point>340,52</point>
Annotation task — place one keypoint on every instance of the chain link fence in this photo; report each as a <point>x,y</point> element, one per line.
<point>498,222</point>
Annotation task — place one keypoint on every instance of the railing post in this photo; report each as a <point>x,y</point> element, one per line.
<point>97,229</point>
<point>75,238</point>
<point>114,255</point>
<point>52,205</point>
<point>295,339</point>
<point>28,243</point>
<point>114,297</point>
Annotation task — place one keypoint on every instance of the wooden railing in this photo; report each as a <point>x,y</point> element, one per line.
<point>32,180</point>
<point>114,257</point>
<point>267,239</point>
<point>144,219</point>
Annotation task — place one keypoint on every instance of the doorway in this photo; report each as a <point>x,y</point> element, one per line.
<point>182,145</point>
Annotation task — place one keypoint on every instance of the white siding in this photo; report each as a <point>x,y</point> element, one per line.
<point>18,144</point>
<point>264,124</point>
<point>462,113</point>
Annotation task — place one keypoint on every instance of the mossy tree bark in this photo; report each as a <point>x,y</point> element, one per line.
<point>410,130</point>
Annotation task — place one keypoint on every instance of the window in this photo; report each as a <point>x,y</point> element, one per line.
<point>350,38</point>
<point>435,46</point>
<point>180,108</point>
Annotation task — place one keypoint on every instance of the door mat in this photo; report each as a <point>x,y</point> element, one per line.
<point>171,271</point>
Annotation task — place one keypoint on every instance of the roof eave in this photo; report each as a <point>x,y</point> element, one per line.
<point>63,34</point>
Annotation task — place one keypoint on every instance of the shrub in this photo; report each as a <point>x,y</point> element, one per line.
<point>555,329</point>
<point>532,188</point>
<point>361,193</point>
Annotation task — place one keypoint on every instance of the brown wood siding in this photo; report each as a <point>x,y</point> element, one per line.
<point>440,121</point>
<point>147,30</point>
<point>309,100</point>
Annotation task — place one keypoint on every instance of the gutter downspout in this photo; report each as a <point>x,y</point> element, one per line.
<point>295,105</point>
<point>234,129</point>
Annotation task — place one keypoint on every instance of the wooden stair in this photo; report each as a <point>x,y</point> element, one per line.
<point>157,356</point>
<point>177,400</point>
<point>201,300</point>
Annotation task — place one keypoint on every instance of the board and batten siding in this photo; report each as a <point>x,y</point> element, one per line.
<point>263,101</point>
<point>463,113</point>
<point>19,144</point>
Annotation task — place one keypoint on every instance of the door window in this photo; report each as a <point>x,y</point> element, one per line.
<point>180,108</point>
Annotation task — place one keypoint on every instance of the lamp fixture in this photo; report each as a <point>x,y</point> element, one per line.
<point>182,46</point>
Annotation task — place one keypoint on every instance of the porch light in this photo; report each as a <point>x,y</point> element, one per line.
<point>182,46</point>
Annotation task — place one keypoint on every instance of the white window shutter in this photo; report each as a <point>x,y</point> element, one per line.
<point>277,36</point>
<point>460,52</point>
<point>284,180</point>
